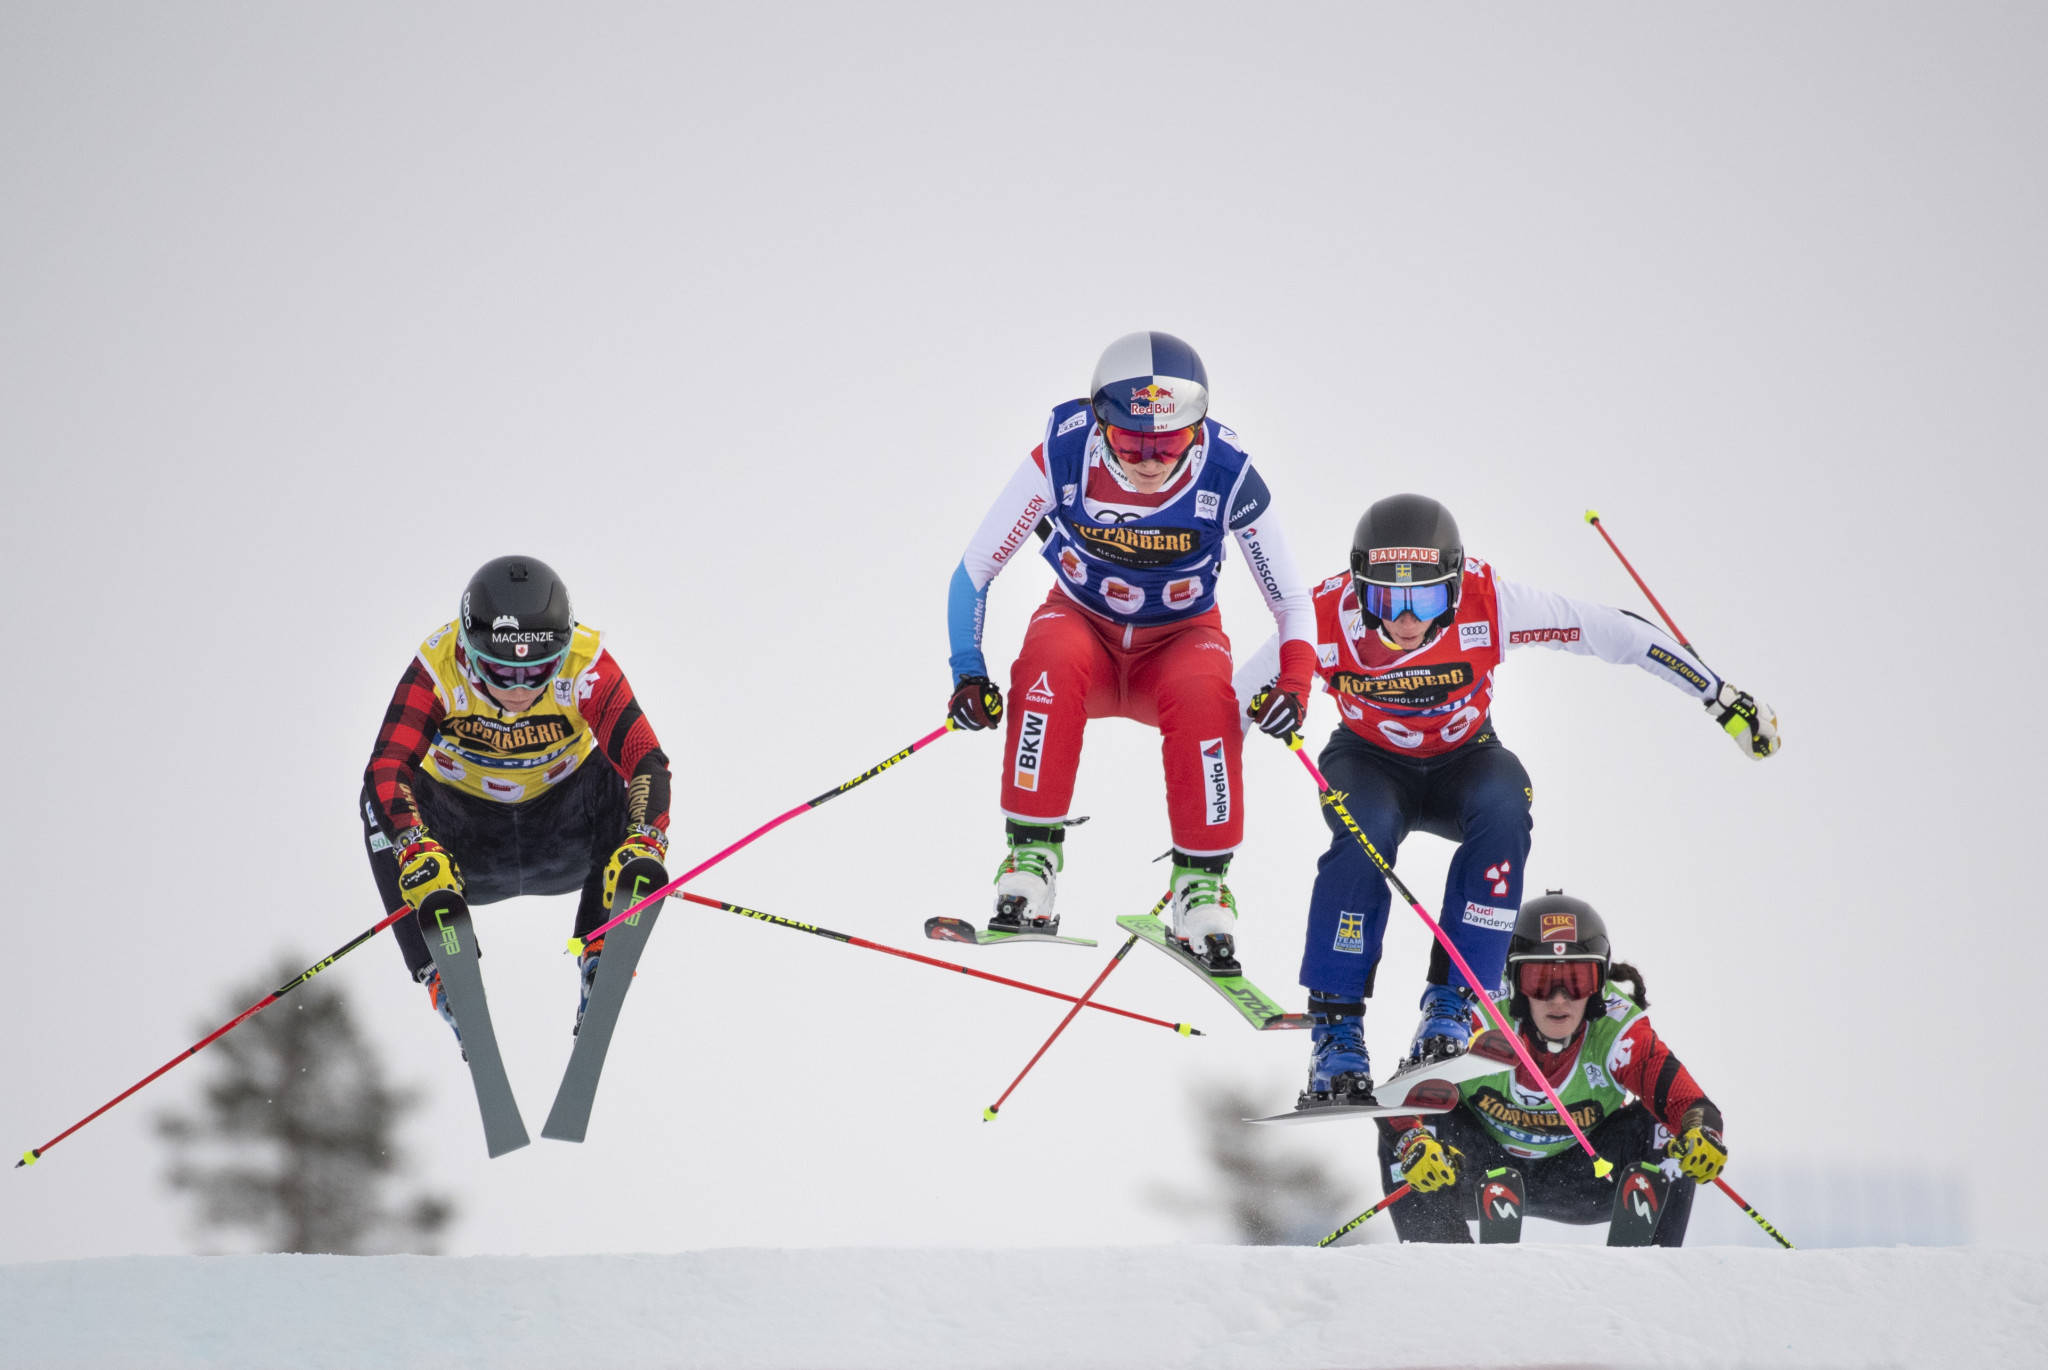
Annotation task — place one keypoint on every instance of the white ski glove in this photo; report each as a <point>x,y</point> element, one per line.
<point>1752,724</point>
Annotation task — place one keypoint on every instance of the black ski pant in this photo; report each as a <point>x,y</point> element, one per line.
<point>550,845</point>
<point>1562,1188</point>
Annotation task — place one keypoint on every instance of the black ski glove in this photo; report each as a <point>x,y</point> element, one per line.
<point>977,703</point>
<point>1276,712</point>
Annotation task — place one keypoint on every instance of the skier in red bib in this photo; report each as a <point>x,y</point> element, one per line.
<point>1140,495</point>
<point>1407,643</point>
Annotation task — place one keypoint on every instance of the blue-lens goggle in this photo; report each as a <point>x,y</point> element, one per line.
<point>1389,602</point>
<point>514,675</point>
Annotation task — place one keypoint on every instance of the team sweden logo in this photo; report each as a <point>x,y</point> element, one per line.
<point>1351,933</point>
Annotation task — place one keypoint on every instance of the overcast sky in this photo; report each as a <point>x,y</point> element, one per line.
<point>741,318</point>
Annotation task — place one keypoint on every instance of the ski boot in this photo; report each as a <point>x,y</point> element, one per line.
<point>586,965</point>
<point>431,978</point>
<point>1204,912</point>
<point>1024,882</point>
<point>1339,1071</point>
<point>1446,1026</point>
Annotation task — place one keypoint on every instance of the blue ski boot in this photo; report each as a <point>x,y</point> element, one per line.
<point>1446,1025</point>
<point>1339,1071</point>
<point>431,978</point>
<point>586,965</point>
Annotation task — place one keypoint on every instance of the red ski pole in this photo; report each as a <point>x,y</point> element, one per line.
<point>1593,517</point>
<point>1601,1165</point>
<point>1183,1029</point>
<point>576,944</point>
<point>1361,1219</point>
<point>1757,1217</point>
<point>988,1114</point>
<point>31,1157</point>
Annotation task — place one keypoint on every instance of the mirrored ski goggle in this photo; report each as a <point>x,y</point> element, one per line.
<point>1541,979</point>
<point>1133,446</point>
<point>524,676</point>
<point>1389,602</point>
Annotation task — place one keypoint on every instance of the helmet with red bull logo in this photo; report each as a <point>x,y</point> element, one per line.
<point>1407,557</point>
<point>1150,383</point>
<point>515,623</point>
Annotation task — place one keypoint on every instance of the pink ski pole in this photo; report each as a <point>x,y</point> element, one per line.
<point>1601,1165</point>
<point>576,944</point>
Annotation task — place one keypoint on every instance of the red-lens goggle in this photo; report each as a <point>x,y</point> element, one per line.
<point>1389,602</point>
<point>1131,445</point>
<point>1541,979</point>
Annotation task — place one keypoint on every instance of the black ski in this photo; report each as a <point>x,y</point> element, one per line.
<point>451,940</point>
<point>1502,1199</point>
<point>1430,1088</point>
<point>960,930</point>
<point>1638,1206</point>
<point>569,1119</point>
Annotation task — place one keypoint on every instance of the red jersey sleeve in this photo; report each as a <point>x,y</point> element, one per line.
<point>627,740</point>
<point>409,725</point>
<point>1647,1068</point>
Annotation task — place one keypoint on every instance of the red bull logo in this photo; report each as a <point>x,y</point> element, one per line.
<point>1151,399</point>
<point>1560,927</point>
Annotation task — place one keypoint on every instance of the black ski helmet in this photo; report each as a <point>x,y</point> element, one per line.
<point>1404,541</point>
<point>1149,383</point>
<point>1556,927</point>
<point>515,622</point>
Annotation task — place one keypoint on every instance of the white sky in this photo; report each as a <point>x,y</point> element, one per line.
<point>740,320</point>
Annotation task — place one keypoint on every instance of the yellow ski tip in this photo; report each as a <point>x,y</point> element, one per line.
<point>575,946</point>
<point>988,1115</point>
<point>1602,1166</point>
<point>1592,516</point>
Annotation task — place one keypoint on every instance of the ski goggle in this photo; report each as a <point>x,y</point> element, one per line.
<point>1389,602</point>
<point>1541,979</point>
<point>1133,446</point>
<point>500,675</point>
<point>513,675</point>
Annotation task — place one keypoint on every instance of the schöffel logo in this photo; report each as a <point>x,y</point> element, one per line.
<point>1216,776</point>
<point>1560,927</point>
<point>1679,667</point>
<point>1544,635</point>
<point>1426,556</point>
<point>1030,751</point>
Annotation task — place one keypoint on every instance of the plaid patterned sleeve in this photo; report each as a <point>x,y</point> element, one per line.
<point>409,724</point>
<point>1652,1072</point>
<point>627,740</point>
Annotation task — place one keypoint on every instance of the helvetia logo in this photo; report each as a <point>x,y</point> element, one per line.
<point>1216,776</point>
<point>1030,751</point>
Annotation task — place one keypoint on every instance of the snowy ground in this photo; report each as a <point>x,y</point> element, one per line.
<point>1553,1307</point>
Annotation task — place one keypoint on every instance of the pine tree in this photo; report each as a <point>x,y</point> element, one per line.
<point>294,1142</point>
<point>1268,1197</point>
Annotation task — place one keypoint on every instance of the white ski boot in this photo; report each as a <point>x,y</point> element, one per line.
<point>1024,887</point>
<point>1204,912</point>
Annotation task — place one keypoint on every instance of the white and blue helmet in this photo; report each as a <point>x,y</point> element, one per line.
<point>1150,383</point>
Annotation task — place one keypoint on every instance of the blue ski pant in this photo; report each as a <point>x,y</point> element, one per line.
<point>1477,796</point>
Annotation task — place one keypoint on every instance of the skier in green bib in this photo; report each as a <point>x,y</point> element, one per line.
<point>1632,1097</point>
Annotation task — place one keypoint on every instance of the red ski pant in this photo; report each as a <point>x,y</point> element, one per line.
<point>1075,666</point>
